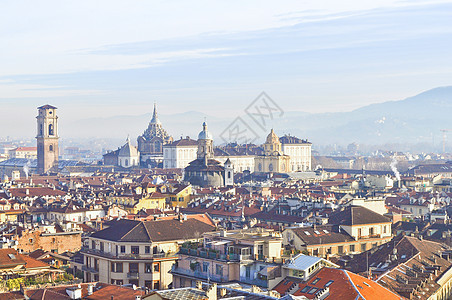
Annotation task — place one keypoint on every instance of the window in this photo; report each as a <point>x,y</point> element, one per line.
<point>51,148</point>
<point>50,129</point>
<point>147,268</point>
<point>112,267</point>
<point>359,232</point>
<point>126,163</point>
<point>93,245</point>
<point>123,249</point>
<point>219,270</point>
<point>102,246</point>
<point>135,249</point>
<point>384,229</point>
<point>148,284</point>
<point>118,268</point>
<point>329,283</point>
<point>205,267</point>
<point>363,247</point>
<point>157,267</point>
<point>316,280</point>
<point>133,268</point>
<point>305,289</point>
<point>352,248</point>
<point>371,231</point>
<point>119,282</point>
<point>154,250</point>
<point>340,249</point>
<point>147,249</point>
<point>156,285</point>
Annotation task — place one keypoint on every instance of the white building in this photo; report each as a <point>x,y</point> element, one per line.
<point>180,153</point>
<point>299,151</point>
<point>128,155</point>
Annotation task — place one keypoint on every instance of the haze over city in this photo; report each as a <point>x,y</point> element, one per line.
<point>111,58</point>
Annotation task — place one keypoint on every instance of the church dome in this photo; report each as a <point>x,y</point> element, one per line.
<point>128,150</point>
<point>272,138</point>
<point>205,134</point>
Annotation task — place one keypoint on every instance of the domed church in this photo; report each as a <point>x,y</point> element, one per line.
<point>205,170</point>
<point>273,159</point>
<point>151,142</point>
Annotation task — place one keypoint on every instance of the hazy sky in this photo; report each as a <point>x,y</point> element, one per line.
<point>118,57</point>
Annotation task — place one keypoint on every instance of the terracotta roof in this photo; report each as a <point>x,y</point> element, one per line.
<point>342,285</point>
<point>10,258</point>
<point>115,292</point>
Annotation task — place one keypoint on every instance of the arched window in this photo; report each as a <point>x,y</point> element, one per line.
<point>51,148</point>
<point>51,129</point>
<point>126,163</point>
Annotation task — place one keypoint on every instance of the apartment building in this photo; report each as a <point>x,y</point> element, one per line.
<point>251,256</point>
<point>138,252</point>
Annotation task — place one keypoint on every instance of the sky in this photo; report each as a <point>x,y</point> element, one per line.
<point>108,58</point>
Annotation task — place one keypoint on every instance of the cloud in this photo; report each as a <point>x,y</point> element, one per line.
<point>10,89</point>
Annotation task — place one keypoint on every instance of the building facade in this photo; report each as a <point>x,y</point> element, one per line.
<point>273,159</point>
<point>180,153</point>
<point>138,252</point>
<point>299,152</point>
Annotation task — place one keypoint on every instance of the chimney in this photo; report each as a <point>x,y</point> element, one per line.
<point>90,289</point>
<point>199,285</point>
<point>211,293</point>
<point>137,297</point>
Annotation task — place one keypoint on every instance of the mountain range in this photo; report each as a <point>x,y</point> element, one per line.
<point>416,119</point>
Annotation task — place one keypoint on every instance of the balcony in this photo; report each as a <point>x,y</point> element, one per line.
<point>198,275</point>
<point>206,253</point>
<point>255,281</point>
<point>124,256</point>
<point>89,269</point>
<point>133,275</point>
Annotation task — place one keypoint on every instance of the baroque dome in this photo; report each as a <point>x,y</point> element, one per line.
<point>272,138</point>
<point>205,134</point>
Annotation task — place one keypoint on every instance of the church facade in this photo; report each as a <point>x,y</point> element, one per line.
<point>273,160</point>
<point>151,142</point>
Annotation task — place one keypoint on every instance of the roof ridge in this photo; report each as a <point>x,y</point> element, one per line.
<point>124,235</point>
<point>147,231</point>
<point>353,284</point>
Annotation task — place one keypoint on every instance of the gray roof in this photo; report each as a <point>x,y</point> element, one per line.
<point>302,262</point>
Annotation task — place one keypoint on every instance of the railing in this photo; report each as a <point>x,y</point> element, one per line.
<point>89,269</point>
<point>205,253</point>
<point>124,256</point>
<point>199,275</point>
<point>255,281</point>
<point>133,275</point>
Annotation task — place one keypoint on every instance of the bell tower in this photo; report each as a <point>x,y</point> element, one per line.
<point>47,138</point>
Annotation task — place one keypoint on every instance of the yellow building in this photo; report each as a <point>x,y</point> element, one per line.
<point>178,195</point>
<point>273,159</point>
<point>150,201</point>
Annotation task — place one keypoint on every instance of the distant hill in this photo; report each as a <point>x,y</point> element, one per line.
<point>413,120</point>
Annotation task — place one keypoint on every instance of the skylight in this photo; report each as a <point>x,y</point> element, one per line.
<point>329,283</point>
<point>307,233</point>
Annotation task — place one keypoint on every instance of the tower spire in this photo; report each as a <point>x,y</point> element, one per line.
<point>155,119</point>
